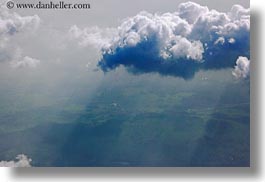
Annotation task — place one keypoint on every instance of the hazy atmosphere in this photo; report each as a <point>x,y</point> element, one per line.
<point>126,83</point>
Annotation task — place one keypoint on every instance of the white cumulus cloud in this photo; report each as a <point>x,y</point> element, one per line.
<point>193,33</point>
<point>11,25</point>
<point>242,68</point>
<point>20,161</point>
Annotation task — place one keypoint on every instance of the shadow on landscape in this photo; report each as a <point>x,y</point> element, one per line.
<point>225,142</point>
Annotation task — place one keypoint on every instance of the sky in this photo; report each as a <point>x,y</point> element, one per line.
<point>109,13</point>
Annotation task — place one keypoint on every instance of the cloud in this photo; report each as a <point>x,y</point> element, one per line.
<point>93,36</point>
<point>21,161</point>
<point>178,43</point>
<point>242,68</point>
<point>26,62</point>
<point>11,25</point>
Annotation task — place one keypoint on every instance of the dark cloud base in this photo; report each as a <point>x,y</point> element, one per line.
<point>144,58</point>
